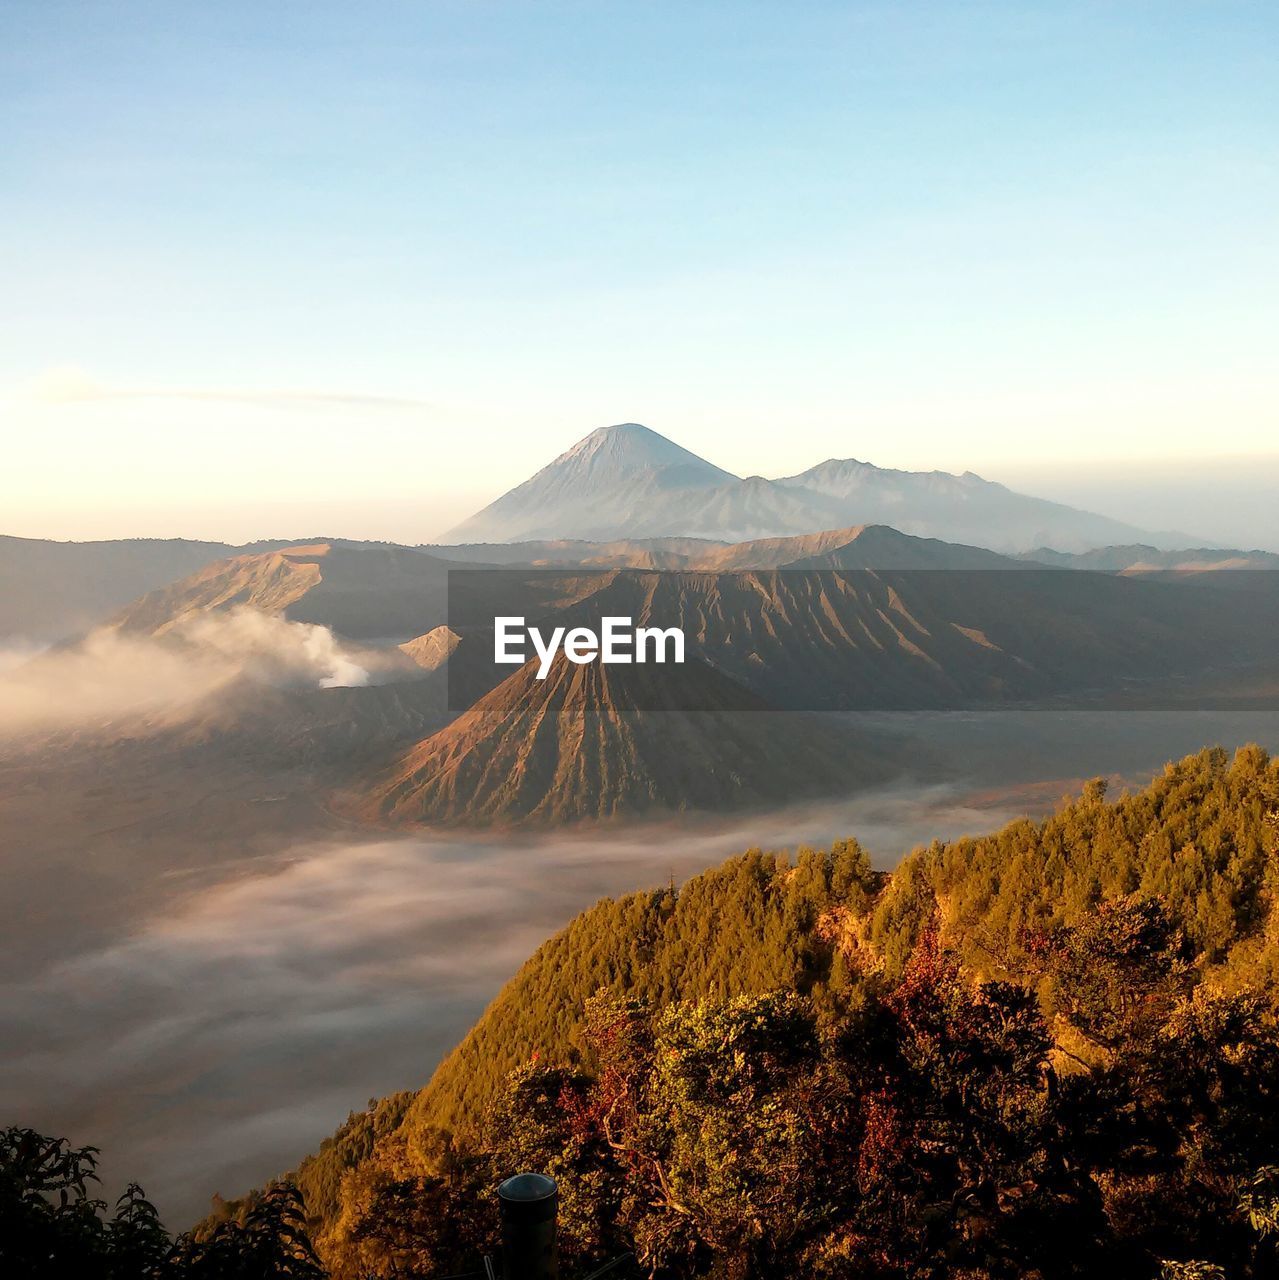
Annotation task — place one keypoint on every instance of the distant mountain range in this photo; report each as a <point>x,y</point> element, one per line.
<point>890,621</point>
<point>1218,567</point>
<point>622,497</point>
<point>53,590</point>
<point>627,481</point>
<point>628,523</point>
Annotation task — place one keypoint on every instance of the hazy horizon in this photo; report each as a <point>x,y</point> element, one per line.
<point>359,275</point>
<point>1216,501</point>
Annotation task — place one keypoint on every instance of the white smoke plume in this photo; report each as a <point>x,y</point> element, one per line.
<point>111,674</point>
<point>273,649</point>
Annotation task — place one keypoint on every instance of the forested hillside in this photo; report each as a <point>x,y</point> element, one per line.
<point>1196,838</point>
<point>1109,914</point>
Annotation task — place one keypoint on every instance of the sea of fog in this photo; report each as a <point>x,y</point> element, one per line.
<point>209,1049</point>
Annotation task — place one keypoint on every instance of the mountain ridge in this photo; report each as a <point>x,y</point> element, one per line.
<point>627,481</point>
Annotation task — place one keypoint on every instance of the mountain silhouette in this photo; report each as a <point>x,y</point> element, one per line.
<point>627,481</point>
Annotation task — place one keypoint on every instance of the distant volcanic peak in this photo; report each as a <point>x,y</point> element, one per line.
<point>612,479</point>
<point>614,453</point>
<point>853,465</point>
<point>835,475</point>
<point>628,482</point>
<point>843,477</point>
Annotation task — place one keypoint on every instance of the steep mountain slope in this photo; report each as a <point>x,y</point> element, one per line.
<point>597,741</point>
<point>614,469</point>
<point>627,482</point>
<point>363,591</point>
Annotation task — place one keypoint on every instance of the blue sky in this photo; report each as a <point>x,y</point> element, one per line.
<point>354,268</point>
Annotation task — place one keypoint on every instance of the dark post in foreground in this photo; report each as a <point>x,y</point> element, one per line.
<point>529,1203</point>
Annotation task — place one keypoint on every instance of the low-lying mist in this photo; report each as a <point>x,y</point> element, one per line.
<point>110,674</point>
<point>211,1049</point>
<point>250,990</point>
